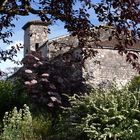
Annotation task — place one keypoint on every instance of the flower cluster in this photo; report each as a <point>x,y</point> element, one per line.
<point>17,125</point>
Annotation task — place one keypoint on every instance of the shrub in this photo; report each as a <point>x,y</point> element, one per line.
<point>102,115</point>
<point>134,84</point>
<point>11,95</point>
<point>42,126</point>
<point>18,125</point>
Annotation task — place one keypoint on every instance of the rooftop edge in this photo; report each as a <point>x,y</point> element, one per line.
<point>34,22</point>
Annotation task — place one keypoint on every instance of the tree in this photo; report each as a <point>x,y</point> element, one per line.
<point>123,16</point>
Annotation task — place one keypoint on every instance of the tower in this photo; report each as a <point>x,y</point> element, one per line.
<point>35,35</point>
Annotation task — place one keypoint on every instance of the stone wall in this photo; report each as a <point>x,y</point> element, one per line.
<point>108,66</point>
<point>38,34</point>
<point>34,37</point>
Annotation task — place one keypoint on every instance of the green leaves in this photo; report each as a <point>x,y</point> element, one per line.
<point>105,115</point>
<point>18,125</point>
<point>11,95</point>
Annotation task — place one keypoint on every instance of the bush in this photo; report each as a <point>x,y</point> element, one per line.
<point>102,115</point>
<point>18,125</point>
<point>42,126</point>
<point>11,95</point>
<point>134,84</point>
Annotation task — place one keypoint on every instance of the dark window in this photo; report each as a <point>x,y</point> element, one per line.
<point>36,46</point>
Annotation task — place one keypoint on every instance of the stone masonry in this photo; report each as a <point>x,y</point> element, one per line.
<point>107,66</point>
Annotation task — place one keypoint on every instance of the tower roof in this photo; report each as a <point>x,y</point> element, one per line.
<point>34,22</point>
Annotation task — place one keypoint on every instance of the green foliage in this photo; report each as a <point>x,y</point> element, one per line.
<point>11,94</point>
<point>134,84</point>
<point>42,126</point>
<point>18,125</point>
<point>102,115</point>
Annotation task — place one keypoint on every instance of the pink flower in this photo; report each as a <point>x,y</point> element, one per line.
<point>44,80</point>
<point>36,58</point>
<point>53,99</point>
<point>28,71</point>
<point>27,83</point>
<point>45,75</point>
<point>33,82</point>
<point>40,63</point>
<point>50,104</point>
<point>35,65</point>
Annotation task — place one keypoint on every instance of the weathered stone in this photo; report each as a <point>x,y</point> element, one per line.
<point>107,66</point>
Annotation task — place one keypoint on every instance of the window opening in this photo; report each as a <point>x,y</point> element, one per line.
<point>36,46</point>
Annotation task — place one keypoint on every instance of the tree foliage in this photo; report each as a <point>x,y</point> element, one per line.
<point>45,83</point>
<point>134,84</point>
<point>122,15</point>
<point>122,18</point>
<point>11,95</point>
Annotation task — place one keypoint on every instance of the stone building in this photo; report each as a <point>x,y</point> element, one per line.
<point>105,67</point>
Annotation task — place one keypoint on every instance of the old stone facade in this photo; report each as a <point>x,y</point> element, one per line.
<point>35,35</point>
<point>105,67</point>
<point>108,66</point>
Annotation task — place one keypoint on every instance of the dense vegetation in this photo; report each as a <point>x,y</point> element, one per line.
<point>111,114</point>
<point>98,115</point>
<point>11,95</point>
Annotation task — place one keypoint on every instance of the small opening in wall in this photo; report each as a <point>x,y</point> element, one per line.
<point>36,46</point>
